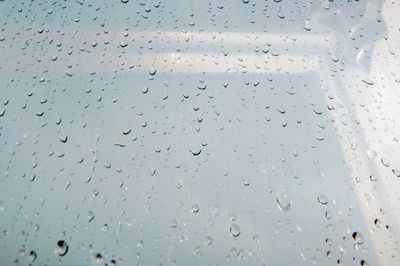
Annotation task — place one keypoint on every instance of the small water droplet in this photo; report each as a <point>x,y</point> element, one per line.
<point>63,139</point>
<point>145,90</point>
<point>97,259</point>
<point>368,82</point>
<point>209,240</point>
<point>396,172</point>
<point>90,216</point>
<point>104,228</point>
<point>373,178</point>
<point>174,223</point>
<point>195,208</point>
<point>152,171</point>
<point>283,202</point>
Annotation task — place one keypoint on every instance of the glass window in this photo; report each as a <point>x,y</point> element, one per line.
<point>199,132</point>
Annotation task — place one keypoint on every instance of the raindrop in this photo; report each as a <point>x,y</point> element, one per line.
<point>385,162</point>
<point>307,25</point>
<point>396,172</point>
<point>195,208</point>
<point>235,230</point>
<point>357,236</point>
<point>202,86</point>
<point>195,151</point>
<point>126,131</point>
<point>209,240</point>
<point>152,171</point>
<point>97,259</point>
<point>378,223</point>
<point>152,71</point>
<point>368,82</point>
<point>232,216</point>
<point>104,228</point>
<point>317,111</point>
<point>373,178</point>
<point>62,248</point>
<point>322,199</point>
<point>145,90</point>
<point>90,216</point>
<point>174,223</point>
<point>32,256</point>
<point>63,139</point>
<point>283,202</point>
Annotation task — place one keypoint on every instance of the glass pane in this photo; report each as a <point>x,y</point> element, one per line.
<point>247,132</point>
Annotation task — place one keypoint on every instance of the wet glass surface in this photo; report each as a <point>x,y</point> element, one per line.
<point>248,132</point>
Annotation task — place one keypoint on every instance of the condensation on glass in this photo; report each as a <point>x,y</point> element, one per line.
<point>246,132</point>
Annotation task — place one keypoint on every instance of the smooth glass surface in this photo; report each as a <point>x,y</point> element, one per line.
<point>193,132</point>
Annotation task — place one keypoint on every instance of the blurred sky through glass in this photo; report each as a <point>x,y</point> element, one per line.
<point>247,132</point>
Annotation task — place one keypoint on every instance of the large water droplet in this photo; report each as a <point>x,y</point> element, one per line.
<point>32,255</point>
<point>357,236</point>
<point>61,248</point>
<point>235,230</point>
<point>322,199</point>
<point>195,151</point>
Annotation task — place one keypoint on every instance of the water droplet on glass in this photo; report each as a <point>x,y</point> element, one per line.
<point>357,236</point>
<point>32,256</point>
<point>90,216</point>
<point>373,178</point>
<point>378,223</point>
<point>283,202</point>
<point>61,248</point>
<point>104,228</point>
<point>152,71</point>
<point>174,223</point>
<point>396,172</point>
<point>126,131</point>
<point>202,86</point>
<point>235,230</point>
<point>195,208</point>
<point>97,259</point>
<point>322,199</point>
<point>195,151</point>
<point>208,241</point>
